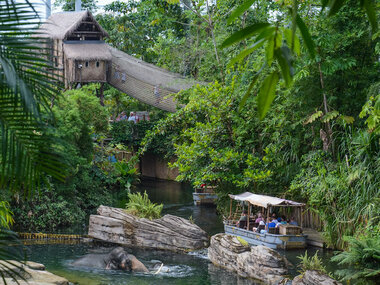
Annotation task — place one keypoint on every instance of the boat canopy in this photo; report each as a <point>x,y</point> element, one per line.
<point>264,201</point>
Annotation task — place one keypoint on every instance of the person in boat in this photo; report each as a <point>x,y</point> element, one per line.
<point>293,222</point>
<point>283,220</point>
<point>243,220</point>
<point>259,228</point>
<point>259,218</point>
<point>271,224</point>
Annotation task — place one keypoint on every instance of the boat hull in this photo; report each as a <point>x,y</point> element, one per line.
<point>204,198</point>
<point>270,240</point>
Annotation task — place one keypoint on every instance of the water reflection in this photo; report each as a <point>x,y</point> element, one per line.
<point>178,200</point>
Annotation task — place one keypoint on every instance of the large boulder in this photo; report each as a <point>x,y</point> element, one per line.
<point>29,273</point>
<point>258,262</point>
<point>313,277</point>
<point>168,233</point>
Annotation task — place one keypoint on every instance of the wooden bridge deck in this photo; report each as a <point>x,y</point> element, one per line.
<point>314,238</point>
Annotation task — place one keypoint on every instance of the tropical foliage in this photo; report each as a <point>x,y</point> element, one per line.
<point>140,205</point>
<point>362,261</point>
<point>27,88</point>
<point>311,263</point>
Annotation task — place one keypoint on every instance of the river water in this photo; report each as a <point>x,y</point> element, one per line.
<point>192,268</point>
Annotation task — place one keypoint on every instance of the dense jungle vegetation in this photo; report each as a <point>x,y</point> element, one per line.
<point>290,110</point>
<point>319,141</point>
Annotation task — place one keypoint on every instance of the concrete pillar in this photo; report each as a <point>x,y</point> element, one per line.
<point>78,5</point>
<point>48,8</point>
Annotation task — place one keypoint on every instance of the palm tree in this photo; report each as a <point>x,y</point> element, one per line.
<point>27,88</point>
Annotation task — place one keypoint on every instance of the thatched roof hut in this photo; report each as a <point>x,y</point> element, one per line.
<point>61,26</point>
<point>78,50</point>
<point>87,51</point>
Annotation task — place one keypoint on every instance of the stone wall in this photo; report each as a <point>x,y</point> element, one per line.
<point>155,167</point>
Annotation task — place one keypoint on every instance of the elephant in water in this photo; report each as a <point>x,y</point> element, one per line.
<point>116,259</point>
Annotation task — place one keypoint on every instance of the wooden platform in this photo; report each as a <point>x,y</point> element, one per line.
<point>314,238</point>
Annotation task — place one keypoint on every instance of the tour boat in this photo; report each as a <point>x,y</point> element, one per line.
<point>283,237</point>
<point>204,196</point>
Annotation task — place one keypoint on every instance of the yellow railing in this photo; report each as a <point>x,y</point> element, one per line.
<point>50,236</point>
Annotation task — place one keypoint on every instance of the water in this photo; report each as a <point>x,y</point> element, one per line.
<point>191,268</point>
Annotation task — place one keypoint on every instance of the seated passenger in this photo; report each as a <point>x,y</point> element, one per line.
<point>283,220</point>
<point>293,222</point>
<point>261,227</point>
<point>259,218</point>
<point>271,224</point>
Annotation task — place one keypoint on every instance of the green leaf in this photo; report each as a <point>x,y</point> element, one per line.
<point>240,10</point>
<point>313,117</point>
<point>244,33</point>
<point>285,66</point>
<point>270,50</point>
<point>245,52</point>
<point>335,5</point>
<point>329,116</point>
<point>289,38</point>
<point>267,33</point>
<point>306,36</point>
<point>246,95</point>
<point>371,13</point>
<point>347,119</point>
<point>267,94</point>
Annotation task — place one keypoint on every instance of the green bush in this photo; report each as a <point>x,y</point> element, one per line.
<point>311,263</point>
<point>128,132</point>
<point>140,205</point>
<point>362,260</point>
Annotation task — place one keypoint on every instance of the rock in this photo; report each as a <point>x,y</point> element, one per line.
<point>258,262</point>
<point>313,277</point>
<point>168,233</point>
<point>35,265</point>
<point>33,273</point>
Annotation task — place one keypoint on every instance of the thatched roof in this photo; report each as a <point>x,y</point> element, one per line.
<point>87,50</point>
<point>60,25</point>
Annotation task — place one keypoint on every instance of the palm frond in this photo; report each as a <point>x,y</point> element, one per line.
<point>27,88</point>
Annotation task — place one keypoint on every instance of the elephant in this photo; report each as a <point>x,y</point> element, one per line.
<point>116,259</point>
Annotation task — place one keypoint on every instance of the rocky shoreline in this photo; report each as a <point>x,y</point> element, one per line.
<point>259,262</point>
<point>33,273</point>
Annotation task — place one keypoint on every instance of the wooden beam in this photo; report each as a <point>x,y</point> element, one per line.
<point>230,208</point>
<point>249,213</point>
<point>86,32</point>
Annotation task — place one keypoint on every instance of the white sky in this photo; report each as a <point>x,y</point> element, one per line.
<point>40,5</point>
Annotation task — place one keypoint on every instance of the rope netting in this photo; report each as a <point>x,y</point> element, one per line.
<point>146,82</point>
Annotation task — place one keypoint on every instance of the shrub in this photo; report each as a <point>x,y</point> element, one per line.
<point>311,263</point>
<point>140,205</point>
<point>362,260</point>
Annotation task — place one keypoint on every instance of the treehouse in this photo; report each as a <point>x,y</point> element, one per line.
<point>78,51</point>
